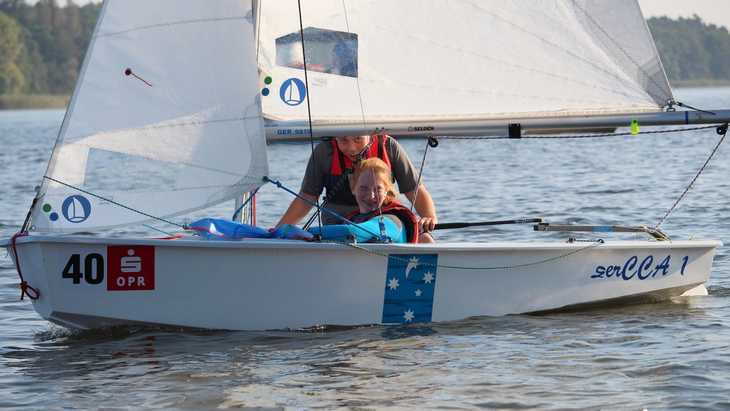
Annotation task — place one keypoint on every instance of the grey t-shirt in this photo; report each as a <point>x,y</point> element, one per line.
<point>404,172</point>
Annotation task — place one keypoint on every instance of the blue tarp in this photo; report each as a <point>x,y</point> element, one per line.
<point>225,230</point>
<point>218,229</point>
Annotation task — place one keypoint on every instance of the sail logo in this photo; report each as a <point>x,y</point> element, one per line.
<point>293,92</point>
<point>130,268</point>
<point>76,209</point>
<point>410,284</point>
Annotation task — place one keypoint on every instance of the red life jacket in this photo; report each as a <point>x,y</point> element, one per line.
<point>341,162</point>
<point>409,220</point>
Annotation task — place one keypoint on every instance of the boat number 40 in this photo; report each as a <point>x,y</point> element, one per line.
<point>633,268</point>
<point>93,268</point>
<point>128,268</point>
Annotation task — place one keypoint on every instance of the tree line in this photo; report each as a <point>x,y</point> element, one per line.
<point>691,49</point>
<point>42,46</point>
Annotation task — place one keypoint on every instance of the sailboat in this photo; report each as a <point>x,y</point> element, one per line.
<point>177,98</point>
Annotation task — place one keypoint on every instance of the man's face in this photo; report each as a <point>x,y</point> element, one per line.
<point>351,146</point>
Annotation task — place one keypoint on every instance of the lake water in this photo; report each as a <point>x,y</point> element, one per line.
<point>674,355</point>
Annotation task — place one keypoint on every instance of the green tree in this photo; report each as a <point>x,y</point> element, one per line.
<point>691,49</point>
<point>55,39</point>
<point>11,52</point>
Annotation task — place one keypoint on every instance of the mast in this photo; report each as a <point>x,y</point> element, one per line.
<point>240,211</point>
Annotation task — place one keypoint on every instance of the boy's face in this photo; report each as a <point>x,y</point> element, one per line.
<point>351,146</point>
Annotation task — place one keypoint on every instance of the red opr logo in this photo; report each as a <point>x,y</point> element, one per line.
<point>130,268</point>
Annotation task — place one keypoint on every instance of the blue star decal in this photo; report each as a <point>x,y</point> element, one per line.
<point>409,288</point>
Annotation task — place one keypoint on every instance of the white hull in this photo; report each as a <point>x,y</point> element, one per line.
<point>277,284</point>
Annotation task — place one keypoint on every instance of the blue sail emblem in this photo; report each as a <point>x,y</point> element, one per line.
<point>76,209</point>
<point>293,92</point>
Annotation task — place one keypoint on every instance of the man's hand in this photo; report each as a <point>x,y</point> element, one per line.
<point>297,210</point>
<point>424,207</point>
<point>427,224</point>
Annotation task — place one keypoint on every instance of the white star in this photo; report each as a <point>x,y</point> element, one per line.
<point>408,315</point>
<point>428,277</point>
<point>412,264</point>
<point>418,293</point>
<point>393,283</point>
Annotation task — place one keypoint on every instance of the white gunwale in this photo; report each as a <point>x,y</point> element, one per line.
<point>437,247</point>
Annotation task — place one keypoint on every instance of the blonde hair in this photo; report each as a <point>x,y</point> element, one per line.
<point>380,169</point>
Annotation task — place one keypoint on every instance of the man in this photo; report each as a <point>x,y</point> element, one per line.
<point>332,163</point>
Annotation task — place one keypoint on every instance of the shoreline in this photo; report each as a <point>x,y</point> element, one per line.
<point>33,101</point>
<point>699,83</point>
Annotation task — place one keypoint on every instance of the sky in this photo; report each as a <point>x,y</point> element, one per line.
<point>711,11</point>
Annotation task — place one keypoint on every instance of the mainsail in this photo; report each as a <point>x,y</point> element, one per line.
<point>166,117</point>
<point>380,61</point>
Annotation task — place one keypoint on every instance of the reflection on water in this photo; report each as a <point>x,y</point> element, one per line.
<point>672,355</point>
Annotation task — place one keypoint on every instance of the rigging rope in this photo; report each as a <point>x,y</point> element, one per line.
<point>319,207</point>
<point>357,78</point>
<point>671,103</point>
<point>26,222</point>
<point>248,200</point>
<point>431,142</point>
<point>594,244</point>
<point>721,130</point>
<point>344,178</point>
<point>115,202</point>
<point>307,95</point>
<point>328,197</point>
<point>169,235</point>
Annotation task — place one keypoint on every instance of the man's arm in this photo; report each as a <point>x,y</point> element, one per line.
<point>313,182</point>
<point>424,206</point>
<point>407,178</point>
<point>297,210</point>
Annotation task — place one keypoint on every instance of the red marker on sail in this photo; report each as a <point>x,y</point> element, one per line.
<point>128,72</point>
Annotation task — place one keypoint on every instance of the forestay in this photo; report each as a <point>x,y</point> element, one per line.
<point>376,61</point>
<point>166,117</point>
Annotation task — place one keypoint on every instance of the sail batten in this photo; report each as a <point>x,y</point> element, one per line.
<point>167,24</point>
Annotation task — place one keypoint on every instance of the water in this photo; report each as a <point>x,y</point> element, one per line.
<point>672,355</point>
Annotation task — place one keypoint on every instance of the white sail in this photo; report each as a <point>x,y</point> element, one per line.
<point>373,61</point>
<point>166,117</point>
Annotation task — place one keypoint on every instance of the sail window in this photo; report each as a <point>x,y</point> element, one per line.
<point>327,51</point>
